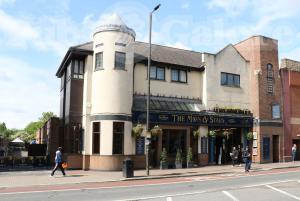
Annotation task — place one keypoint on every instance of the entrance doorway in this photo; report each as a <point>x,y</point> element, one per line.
<point>225,143</point>
<point>275,148</point>
<point>172,140</point>
<point>297,142</point>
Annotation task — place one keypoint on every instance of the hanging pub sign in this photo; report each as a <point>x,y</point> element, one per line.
<point>194,119</point>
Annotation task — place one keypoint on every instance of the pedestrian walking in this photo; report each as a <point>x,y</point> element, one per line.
<point>58,162</point>
<point>247,159</point>
<point>240,156</point>
<point>234,156</point>
<point>294,150</point>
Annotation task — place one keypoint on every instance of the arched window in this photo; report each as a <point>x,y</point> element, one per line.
<point>270,79</point>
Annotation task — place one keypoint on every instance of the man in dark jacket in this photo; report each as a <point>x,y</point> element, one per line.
<point>58,162</point>
<point>234,156</point>
<point>247,159</point>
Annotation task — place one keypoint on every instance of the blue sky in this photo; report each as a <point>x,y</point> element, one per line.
<point>35,35</point>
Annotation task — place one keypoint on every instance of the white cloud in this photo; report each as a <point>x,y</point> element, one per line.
<point>46,33</point>
<point>293,54</point>
<point>17,31</point>
<point>6,2</point>
<point>232,7</point>
<point>185,5</point>
<point>179,45</point>
<point>26,92</point>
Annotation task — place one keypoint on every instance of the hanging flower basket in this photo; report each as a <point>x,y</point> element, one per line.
<point>137,130</point>
<point>212,133</point>
<point>226,133</point>
<point>249,136</point>
<point>156,130</point>
<point>196,133</point>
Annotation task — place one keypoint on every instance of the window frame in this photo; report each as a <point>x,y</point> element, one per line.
<point>266,148</point>
<point>204,144</point>
<point>270,79</point>
<point>156,74</point>
<point>179,72</point>
<point>80,69</point>
<point>272,111</point>
<point>235,81</point>
<point>114,151</point>
<point>93,137</point>
<point>101,66</point>
<point>120,67</point>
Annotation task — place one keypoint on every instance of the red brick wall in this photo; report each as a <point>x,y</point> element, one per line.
<point>202,159</point>
<point>287,112</point>
<point>294,78</point>
<point>260,51</point>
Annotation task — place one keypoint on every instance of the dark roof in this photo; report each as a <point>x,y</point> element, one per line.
<point>162,54</point>
<point>291,65</point>
<point>82,49</point>
<point>167,104</point>
<point>85,46</point>
<point>168,55</point>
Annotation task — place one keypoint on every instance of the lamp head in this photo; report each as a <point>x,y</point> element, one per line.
<point>156,7</point>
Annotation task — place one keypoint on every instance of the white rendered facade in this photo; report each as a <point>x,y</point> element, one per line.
<point>108,92</point>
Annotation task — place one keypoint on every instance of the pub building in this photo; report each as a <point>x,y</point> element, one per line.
<point>103,96</point>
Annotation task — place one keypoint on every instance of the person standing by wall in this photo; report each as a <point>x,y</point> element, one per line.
<point>247,159</point>
<point>234,156</point>
<point>58,162</point>
<point>294,150</point>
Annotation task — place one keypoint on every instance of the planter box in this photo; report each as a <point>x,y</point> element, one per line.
<point>163,165</point>
<point>178,165</point>
<point>189,164</point>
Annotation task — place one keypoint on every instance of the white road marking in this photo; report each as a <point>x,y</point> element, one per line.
<point>283,192</point>
<point>94,188</point>
<point>164,196</point>
<point>268,183</point>
<point>230,195</point>
<point>169,199</point>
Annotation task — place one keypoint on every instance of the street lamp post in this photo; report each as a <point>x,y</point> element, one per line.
<point>148,93</point>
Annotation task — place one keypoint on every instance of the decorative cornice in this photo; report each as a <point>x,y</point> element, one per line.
<point>114,27</point>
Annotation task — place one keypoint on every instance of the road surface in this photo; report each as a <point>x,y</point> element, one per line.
<point>273,185</point>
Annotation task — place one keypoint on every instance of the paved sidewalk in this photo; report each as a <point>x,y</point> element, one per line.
<point>33,178</point>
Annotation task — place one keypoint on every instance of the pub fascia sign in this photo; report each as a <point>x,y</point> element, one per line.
<point>196,119</point>
<point>192,119</point>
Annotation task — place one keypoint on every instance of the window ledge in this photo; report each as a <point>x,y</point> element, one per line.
<point>123,69</point>
<point>178,82</point>
<point>231,86</point>
<point>98,69</point>
<point>157,80</point>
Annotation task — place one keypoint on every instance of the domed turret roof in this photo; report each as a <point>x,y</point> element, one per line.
<point>114,23</point>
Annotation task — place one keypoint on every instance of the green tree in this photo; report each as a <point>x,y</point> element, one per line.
<point>46,116</point>
<point>31,129</point>
<point>28,133</point>
<point>3,131</point>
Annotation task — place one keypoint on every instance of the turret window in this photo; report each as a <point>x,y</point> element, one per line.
<point>120,58</point>
<point>99,61</point>
<point>118,137</point>
<point>96,137</point>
